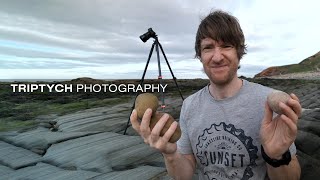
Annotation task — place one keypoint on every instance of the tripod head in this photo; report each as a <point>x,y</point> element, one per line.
<point>146,36</point>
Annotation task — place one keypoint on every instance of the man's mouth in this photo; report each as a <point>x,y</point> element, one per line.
<point>219,66</point>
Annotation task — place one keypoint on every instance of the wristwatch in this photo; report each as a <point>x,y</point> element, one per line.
<point>286,158</point>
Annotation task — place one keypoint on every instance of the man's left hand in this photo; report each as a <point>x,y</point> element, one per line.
<point>279,133</point>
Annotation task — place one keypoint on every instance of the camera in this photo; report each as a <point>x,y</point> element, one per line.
<point>144,37</point>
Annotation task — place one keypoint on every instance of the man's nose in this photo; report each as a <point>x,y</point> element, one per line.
<point>217,55</point>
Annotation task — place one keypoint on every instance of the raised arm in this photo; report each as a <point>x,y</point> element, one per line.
<point>178,166</point>
<point>277,134</point>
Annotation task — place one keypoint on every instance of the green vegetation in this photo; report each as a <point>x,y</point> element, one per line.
<point>308,65</point>
<point>19,110</point>
<point>17,116</point>
<point>8,124</point>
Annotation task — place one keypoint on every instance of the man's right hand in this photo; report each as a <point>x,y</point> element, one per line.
<point>152,137</point>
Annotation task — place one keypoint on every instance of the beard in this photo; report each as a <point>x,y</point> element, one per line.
<point>219,79</point>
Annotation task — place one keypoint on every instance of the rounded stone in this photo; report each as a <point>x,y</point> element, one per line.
<point>145,101</point>
<point>274,98</point>
<point>155,118</point>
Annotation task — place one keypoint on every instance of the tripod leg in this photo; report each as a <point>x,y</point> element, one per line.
<point>174,78</point>
<point>147,64</point>
<point>141,83</point>
<point>160,75</point>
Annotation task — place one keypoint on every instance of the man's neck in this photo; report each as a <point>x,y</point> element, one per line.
<point>227,90</point>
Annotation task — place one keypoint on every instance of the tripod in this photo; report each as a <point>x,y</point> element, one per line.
<point>156,44</point>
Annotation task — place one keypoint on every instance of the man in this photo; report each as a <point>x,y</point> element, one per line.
<point>228,129</point>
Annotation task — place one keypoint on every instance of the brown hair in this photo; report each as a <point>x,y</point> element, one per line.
<point>221,26</point>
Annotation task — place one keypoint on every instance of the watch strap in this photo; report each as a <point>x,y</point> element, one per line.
<point>286,158</point>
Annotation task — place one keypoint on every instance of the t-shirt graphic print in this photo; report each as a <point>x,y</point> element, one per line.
<point>226,152</point>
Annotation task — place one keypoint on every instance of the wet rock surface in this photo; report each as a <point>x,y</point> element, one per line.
<point>87,144</point>
<point>308,138</point>
<point>90,144</point>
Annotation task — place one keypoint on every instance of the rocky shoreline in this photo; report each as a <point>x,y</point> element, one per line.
<point>304,75</point>
<point>89,144</point>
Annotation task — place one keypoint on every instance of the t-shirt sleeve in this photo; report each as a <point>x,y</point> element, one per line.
<point>183,144</point>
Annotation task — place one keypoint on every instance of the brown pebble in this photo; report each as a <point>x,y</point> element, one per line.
<point>274,98</point>
<point>145,101</point>
<point>155,118</point>
<point>149,100</point>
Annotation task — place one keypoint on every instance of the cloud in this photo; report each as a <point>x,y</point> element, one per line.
<point>249,70</point>
<point>77,37</point>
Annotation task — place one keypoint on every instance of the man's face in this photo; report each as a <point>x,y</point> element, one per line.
<point>220,61</point>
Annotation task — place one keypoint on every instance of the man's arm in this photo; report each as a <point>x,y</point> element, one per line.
<point>180,166</point>
<point>292,171</point>
<point>277,135</point>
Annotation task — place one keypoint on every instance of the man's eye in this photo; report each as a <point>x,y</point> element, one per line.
<point>206,47</point>
<point>227,46</point>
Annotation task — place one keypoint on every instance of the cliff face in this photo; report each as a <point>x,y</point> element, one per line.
<point>310,64</point>
<point>271,71</point>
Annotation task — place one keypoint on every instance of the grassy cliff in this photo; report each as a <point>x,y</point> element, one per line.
<point>310,64</point>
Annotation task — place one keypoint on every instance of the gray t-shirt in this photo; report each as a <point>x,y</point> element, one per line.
<point>223,135</point>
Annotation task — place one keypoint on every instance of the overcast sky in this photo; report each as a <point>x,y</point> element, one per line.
<point>64,39</point>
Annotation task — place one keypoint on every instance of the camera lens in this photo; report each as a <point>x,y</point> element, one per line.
<point>144,37</point>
